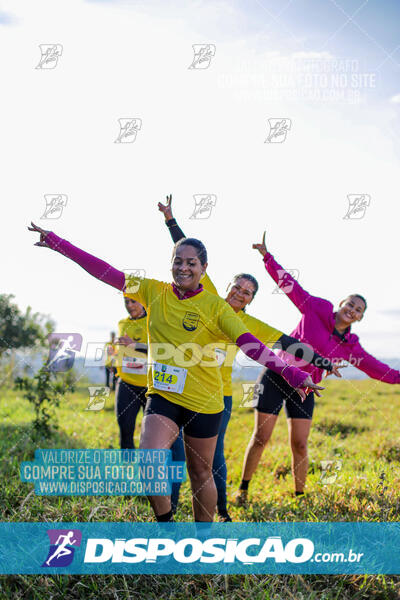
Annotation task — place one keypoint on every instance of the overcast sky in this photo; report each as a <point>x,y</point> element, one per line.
<point>204,131</point>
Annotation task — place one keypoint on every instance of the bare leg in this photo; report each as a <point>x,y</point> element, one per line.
<point>158,432</point>
<point>264,424</point>
<point>299,430</point>
<point>199,460</point>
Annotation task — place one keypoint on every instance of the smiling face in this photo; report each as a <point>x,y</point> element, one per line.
<point>241,293</point>
<point>135,309</point>
<point>351,310</point>
<point>187,268</point>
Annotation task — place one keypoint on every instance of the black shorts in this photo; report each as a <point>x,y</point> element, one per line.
<point>275,392</point>
<point>198,425</point>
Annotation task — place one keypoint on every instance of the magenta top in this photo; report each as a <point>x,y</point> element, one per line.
<point>249,344</point>
<point>316,328</point>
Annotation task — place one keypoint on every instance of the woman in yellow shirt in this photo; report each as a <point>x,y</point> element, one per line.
<point>184,383</point>
<point>131,364</point>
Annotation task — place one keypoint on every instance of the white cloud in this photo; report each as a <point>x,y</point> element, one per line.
<point>201,132</point>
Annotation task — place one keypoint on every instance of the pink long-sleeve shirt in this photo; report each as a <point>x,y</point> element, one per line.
<point>316,328</point>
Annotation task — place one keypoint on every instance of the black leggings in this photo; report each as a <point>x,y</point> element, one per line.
<point>128,400</point>
<point>276,392</point>
<point>194,424</point>
<point>111,373</point>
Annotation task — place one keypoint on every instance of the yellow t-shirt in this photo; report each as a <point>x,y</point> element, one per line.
<point>109,356</point>
<point>182,337</point>
<point>131,364</point>
<point>265,333</point>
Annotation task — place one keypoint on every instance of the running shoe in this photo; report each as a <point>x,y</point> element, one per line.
<point>224,517</point>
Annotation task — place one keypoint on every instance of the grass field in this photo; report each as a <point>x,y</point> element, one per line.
<point>356,422</point>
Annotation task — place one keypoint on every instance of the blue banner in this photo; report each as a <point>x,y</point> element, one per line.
<point>201,548</point>
<point>89,472</point>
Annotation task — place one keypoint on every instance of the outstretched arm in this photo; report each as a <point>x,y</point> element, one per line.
<point>174,229</point>
<point>234,328</point>
<point>177,234</point>
<point>276,339</point>
<point>96,267</point>
<point>285,281</point>
<point>254,349</point>
<point>373,367</point>
<point>306,353</point>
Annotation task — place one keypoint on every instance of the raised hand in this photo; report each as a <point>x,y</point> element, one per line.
<point>166,208</point>
<point>43,235</point>
<point>261,247</point>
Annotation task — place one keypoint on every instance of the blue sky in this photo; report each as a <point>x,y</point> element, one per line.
<point>366,30</point>
<point>203,132</point>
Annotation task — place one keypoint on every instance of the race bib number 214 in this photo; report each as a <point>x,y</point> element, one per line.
<point>169,378</point>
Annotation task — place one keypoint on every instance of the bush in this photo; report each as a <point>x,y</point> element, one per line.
<point>45,391</point>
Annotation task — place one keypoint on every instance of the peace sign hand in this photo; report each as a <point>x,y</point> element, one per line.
<point>261,247</point>
<point>166,208</point>
<point>43,234</point>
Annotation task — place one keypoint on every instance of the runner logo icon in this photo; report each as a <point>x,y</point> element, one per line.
<point>63,543</point>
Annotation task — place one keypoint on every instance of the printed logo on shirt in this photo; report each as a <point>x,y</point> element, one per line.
<point>190,321</point>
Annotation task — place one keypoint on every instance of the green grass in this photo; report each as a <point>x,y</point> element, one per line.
<point>355,422</point>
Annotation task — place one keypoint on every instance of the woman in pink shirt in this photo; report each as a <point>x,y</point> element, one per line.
<point>328,333</point>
